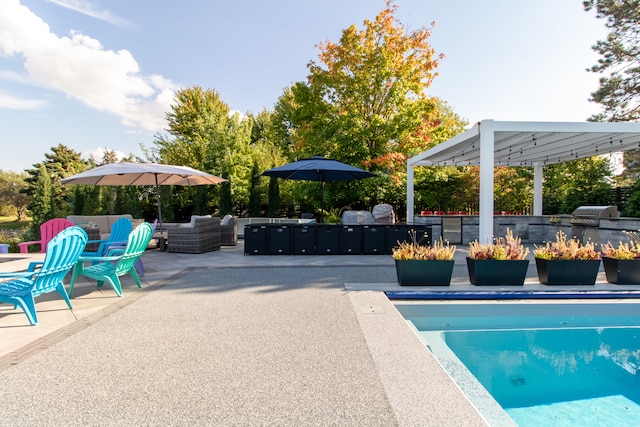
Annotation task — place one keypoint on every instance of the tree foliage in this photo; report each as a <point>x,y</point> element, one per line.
<point>206,135</point>
<point>576,183</point>
<point>365,103</point>
<point>50,199</point>
<point>13,197</point>
<point>619,64</point>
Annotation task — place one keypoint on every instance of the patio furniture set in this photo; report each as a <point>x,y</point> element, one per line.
<point>66,253</point>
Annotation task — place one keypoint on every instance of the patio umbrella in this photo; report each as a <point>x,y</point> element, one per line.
<point>319,169</point>
<point>155,174</point>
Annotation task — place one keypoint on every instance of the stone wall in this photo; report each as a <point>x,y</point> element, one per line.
<point>530,228</point>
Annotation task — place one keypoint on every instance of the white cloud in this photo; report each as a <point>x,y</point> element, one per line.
<point>82,68</point>
<point>97,154</point>
<point>87,8</point>
<point>11,102</point>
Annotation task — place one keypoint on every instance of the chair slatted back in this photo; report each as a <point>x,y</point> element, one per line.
<point>136,245</point>
<point>119,234</point>
<point>50,229</point>
<point>62,254</point>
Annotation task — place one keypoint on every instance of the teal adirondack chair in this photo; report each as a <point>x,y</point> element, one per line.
<point>62,254</point>
<point>119,233</point>
<point>118,263</point>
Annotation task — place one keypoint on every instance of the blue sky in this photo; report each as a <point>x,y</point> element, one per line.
<point>95,74</point>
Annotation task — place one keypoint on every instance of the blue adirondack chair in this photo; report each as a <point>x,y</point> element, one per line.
<point>62,254</point>
<point>118,263</point>
<point>118,237</point>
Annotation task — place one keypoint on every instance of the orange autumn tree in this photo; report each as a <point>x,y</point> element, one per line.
<point>365,103</point>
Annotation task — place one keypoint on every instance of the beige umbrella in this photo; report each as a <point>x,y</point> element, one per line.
<point>156,174</point>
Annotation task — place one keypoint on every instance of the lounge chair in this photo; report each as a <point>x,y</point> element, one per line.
<point>117,263</point>
<point>48,230</point>
<point>118,238</point>
<point>62,254</point>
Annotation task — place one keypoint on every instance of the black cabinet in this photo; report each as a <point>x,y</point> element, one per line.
<point>327,239</point>
<point>303,240</point>
<point>374,239</point>
<point>350,240</point>
<point>279,242</point>
<point>255,239</point>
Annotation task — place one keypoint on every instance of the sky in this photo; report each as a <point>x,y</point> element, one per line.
<point>96,74</point>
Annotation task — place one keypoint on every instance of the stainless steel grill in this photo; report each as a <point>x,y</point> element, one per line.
<point>585,221</point>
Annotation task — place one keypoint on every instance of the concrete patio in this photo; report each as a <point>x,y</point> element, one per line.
<point>226,339</point>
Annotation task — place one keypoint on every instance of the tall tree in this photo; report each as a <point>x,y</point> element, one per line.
<point>42,203</point>
<point>619,92</point>
<point>60,163</point>
<point>206,135</point>
<point>619,65</point>
<point>366,104</point>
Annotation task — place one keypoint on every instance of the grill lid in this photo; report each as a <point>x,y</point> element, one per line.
<point>596,212</point>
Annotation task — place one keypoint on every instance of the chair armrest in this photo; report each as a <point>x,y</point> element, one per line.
<point>98,258</point>
<point>115,251</point>
<point>24,246</point>
<point>13,274</point>
<point>33,264</point>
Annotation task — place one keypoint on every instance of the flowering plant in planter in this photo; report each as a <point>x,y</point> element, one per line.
<point>412,250</point>
<point>624,250</point>
<point>566,249</point>
<point>502,248</point>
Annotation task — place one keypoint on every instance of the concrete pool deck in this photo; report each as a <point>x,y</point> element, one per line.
<point>226,339</point>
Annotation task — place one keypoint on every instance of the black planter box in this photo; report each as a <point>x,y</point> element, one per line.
<point>255,239</point>
<point>374,239</point>
<point>279,241</point>
<point>488,272</point>
<point>622,271</point>
<point>567,272</point>
<point>424,272</point>
<point>303,240</point>
<point>328,240</point>
<point>350,240</point>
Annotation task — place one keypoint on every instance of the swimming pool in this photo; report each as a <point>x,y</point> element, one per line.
<point>534,364</point>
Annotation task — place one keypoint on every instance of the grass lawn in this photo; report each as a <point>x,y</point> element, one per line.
<point>12,223</point>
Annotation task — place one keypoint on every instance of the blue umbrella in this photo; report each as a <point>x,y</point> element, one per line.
<point>319,169</point>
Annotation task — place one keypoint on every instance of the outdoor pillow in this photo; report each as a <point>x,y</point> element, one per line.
<point>226,220</point>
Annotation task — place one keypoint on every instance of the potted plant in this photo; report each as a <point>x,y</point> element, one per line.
<point>502,262</point>
<point>424,265</point>
<point>567,262</point>
<point>622,263</point>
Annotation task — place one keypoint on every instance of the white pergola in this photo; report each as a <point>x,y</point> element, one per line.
<point>492,143</point>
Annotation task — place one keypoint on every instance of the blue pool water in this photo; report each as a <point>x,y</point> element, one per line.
<point>540,364</point>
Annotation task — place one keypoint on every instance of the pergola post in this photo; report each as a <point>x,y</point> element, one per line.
<point>410,195</point>
<point>537,189</point>
<point>486,181</point>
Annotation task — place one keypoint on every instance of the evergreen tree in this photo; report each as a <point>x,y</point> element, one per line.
<point>255,198</point>
<point>226,204</point>
<point>273,209</point>
<point>41,205</point>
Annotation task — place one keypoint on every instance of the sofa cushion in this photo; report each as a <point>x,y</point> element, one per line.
<point>226,220</point>
<point>102,222</point>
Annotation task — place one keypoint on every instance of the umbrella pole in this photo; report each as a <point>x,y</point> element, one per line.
<point>322,202</point>
<point>158,201</point>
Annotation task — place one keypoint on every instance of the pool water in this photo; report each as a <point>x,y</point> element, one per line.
<point>539,364</point>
